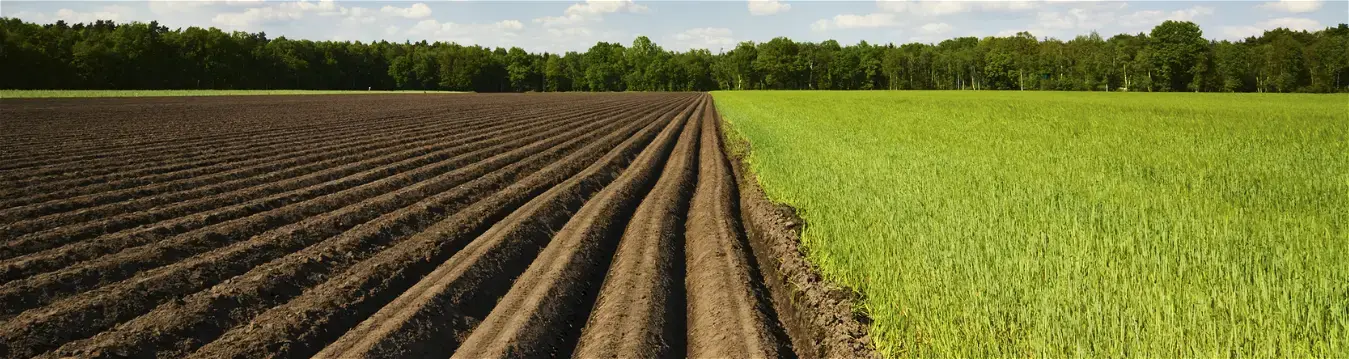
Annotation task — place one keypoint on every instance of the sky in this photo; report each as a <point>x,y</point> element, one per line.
<point>571,25</point>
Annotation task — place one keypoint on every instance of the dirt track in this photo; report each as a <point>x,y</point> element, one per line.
<point>589,225</point>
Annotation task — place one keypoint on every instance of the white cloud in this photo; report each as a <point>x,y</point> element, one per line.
<point>570,31</point>
<point>710,38</point>
<point>1008,5</point>
<point>939,8</point>
<point>251,18</point>
<point>167,7</point>
<point>1291,23</point>
<point>416,11</point>
<point>279,12</point>
<point>935,28</point>
<point>597,7</point>
<point>1095,16</point>
<point>114,13</point>
<point>1293,6</point>
<point>1080,18</point>
<point>255,16</point>
<point>925,8</point>
<point>563,20</point>
<point>767,7</point>
<point>508,25</point>
<point>467,34</point>
<point>574,38</point>
<point>226,2</point>
<point>575,28</point>
<point>1072,19</point>
<point>850,21</point>
<point>1190,14</point>
<point>322,7</point>
<point>591,11</point>
<point>358,15</point>
<point>1149,18</point>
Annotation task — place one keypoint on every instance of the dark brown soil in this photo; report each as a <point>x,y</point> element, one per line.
<point>820,316</point>
<point>588,225</point>
<point>729,311</point>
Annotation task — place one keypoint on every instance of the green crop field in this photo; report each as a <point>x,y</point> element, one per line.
<point>156,93</point>
<point>1041,224</point>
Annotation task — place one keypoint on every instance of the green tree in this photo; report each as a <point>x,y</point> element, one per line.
<point>1234,60</point>
<point>1174,57</point>
<point>555,73</point>
<point>605,67</point>
<point>777,62</point>
<point>521,69</point>
<point>1178,49</point>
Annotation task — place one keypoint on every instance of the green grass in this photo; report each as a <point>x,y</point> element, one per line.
<point>153,93</point>
<point>1040,224</point>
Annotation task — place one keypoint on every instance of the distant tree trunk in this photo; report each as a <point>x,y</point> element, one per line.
<point>1126,75</point>
<point>810,76</point>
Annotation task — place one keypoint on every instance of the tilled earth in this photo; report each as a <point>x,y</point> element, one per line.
<point>475,226</point>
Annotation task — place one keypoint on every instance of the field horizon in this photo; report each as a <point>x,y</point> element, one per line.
<point>16,94</point>
<point>791,179</point>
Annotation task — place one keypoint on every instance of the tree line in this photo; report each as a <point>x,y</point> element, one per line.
<point>1174,56</point>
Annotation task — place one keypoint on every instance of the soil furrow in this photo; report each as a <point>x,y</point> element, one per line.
<point>394,226</point>
<point>173,147</point>
<point>728,312</point>
<point>44,288</point>
<point>320,183</point>
<point>542,313</point>
<point>640,309</point>
<point>235,189</point>
<point>83,173</point>
<point>251,146</point>
<point>431,318</point>
<point>169,149</point>
<point>147,186</point>
<point>78,203</point>
<point>101,308</point>
<point>175,329</point>
<point>36,189</point>
<point>348,299</point>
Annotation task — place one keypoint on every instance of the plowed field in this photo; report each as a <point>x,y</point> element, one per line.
<point>589,225</point>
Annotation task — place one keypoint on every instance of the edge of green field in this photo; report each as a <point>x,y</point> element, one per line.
<point>1044,224</point>
<point>739,148</point>
<point>172,93</point>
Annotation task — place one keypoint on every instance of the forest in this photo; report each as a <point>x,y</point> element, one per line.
<point>1173,56</point>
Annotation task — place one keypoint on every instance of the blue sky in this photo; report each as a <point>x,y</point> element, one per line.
<point>556,26</point>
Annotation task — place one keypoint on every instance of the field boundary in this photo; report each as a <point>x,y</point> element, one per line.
<point>67,94</point>
<point>820,316</point>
